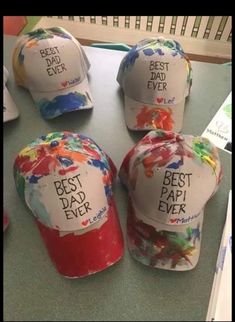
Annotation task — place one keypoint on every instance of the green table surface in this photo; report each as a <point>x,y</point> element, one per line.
<point>127,291</point>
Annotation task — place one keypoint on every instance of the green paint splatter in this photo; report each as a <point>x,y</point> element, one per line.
<point>203,149</point>
<point>20,184</point>
<point>55,135</point>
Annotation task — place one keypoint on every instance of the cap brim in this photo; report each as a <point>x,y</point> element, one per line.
<point>53,104</point>
<point>10,110</point>
<point>172,247</point>
<point>81,253</point>
<point>141,116</point>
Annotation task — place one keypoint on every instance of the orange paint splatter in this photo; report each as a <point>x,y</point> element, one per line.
<point>63,152</point>
<point>31,43</point>
<point>157,118</point>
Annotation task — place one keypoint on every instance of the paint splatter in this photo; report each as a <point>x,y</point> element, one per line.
<point>158,247</point>
<point>65,161</point>
<point>61,104</point>
<point>154,118</point>
<point>34,179</point>
<point>205,151</point>
<point>175,165</point>
<point>130,58</point>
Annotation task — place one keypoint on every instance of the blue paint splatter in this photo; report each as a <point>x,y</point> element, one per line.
<point>178,47</point>
<point>159,52</point>
<point>148,52</point>
<point>21,55</point>
<point>175,165</point>
<point>65,161</point>
<point>194,233</point>
<point>98,164</point>
<point>34,179</point>
<point>83,137</point>
<point>130,58</point>
<point>61,104</point>
<point>108,191</point>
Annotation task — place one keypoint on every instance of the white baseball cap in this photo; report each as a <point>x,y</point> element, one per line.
<point>156,77</point>
<point>169,178</point>
<point>10,110</point>
<point>52,65</point>
<point>66,181</point>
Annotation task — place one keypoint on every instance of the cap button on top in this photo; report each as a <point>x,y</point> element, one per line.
<point>161,39</point>
<point>54,144</point>
<point>179,138</point>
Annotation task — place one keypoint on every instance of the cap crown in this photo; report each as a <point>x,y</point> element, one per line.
<point>47,60</point>
<point>170,177</point>
<point>65,179</point>
<point>156,71</point>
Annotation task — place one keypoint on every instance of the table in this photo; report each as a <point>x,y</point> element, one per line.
<point>127,291</point>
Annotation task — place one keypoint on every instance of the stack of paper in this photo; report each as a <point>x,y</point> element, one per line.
<point>220,305</point>
<point>219,130</point>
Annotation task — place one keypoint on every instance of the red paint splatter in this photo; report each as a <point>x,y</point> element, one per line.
<point>156,117</point>
<point>92,152</point>
<point>45,165</point>
<point>66,170</point>
<point>125,162</point>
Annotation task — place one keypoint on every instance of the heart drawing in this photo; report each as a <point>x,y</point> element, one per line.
<point>159,100</point>
<point>173,220</point>
<point>85,222</point>
<point>64,84</point>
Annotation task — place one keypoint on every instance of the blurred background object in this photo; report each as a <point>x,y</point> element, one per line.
<point>5,220</point>
<point>204,38</point>
<point>16,25</point>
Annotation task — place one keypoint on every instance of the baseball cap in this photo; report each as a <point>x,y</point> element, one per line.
<point>156,78</point>
<point>10,110</point>
<point>66,180</point>
<point>169,178</point>
<point>53,66</point>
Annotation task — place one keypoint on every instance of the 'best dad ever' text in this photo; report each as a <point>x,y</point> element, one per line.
<point>157,79</point>
<point>72,196</point>
<point>53,60</point>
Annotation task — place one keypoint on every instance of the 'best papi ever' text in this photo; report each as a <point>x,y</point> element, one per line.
<point>174,192</point>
